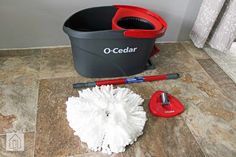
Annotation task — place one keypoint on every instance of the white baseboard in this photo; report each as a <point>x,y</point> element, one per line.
<point>31,48</point>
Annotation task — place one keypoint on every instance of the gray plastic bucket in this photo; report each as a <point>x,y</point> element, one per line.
<point>100,51</point>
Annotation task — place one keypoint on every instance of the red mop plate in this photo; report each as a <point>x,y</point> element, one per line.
<point>157,109</point>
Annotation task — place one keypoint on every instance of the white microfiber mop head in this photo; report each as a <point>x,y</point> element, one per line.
<point>106,118</point>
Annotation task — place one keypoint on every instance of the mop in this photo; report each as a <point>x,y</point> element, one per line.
<point>106,118</point>
<point>118,81</point>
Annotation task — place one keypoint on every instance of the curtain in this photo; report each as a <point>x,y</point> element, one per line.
<point>215,24</point>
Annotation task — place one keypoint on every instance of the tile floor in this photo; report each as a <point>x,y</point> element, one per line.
<point>34,85</point>
<point>226,61</point>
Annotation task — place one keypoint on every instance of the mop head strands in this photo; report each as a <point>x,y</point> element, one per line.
<point>106,118</point>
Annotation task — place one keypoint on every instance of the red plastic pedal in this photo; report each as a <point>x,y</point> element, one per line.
<point>155,51</point>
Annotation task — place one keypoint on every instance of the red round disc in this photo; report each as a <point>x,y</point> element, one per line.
<point>157,109</point>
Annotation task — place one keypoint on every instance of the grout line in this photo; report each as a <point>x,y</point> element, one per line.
<point>223,68</point>
<point>37,100</point>
<point>217,66</point>
<point>57,77</point>
<point>17,131</point>
<point>221,90</point>
<point>35,132</point>
<point>182,44</point>
<point>166,42</point>
<point>200,146</point>
<point>40,63</point>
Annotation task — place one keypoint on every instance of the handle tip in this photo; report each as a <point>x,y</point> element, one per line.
<point>84,85</point>
<point>173,76</point>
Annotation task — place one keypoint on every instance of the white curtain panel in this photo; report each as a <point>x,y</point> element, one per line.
<point>225,30</point>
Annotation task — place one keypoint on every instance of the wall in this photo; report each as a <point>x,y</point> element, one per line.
<point>36,23</point>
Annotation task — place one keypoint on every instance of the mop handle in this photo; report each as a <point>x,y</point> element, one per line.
<point>127,80</point>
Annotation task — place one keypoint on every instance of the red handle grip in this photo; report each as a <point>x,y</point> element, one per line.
<point>155,78</point>
<point>107,82</point>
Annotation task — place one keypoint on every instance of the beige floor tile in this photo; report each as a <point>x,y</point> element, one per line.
<point>194,51</point>
<point>28,149</point>
<point>19,69</point>
<point>174,58</point>
<point>54,136</point>
<point>17,52</point>
<point>226,84</point>
<point>165,138</point>
<point>56,62</point>
<point>227,61</point>
<point>20,102</point>
<point>19,90</point>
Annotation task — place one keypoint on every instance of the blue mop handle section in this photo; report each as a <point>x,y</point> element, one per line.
<point>134,80</point>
